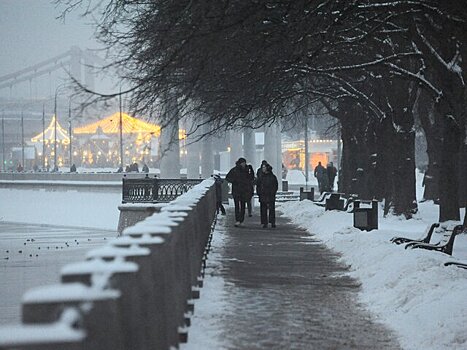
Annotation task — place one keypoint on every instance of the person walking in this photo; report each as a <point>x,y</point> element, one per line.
<point>240,178</point>
<point>218,185</point>
<point>331,172</point>
<point>266,188</point>
<point>321,175</point>
<point>259,172</point>
<point>249,202</point>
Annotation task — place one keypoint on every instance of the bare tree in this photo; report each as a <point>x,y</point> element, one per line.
<point>248,63</point>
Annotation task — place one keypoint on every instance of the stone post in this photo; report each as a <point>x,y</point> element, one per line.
<point>249,147</point>
<point>170,152</point>
<point>235,146</point>
<point>272,145</point>
<point>193,151</point>
<point>207,156</point>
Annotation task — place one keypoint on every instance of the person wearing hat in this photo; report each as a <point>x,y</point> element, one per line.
<point>266,188</point>
<point>240,178</point>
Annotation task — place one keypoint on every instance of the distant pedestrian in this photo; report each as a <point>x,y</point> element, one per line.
<point>266,188</point>
<point>19,168</point>
<point>218,185</point>
<point>73,168</point>
<point>145,168</point>
<point>240,179</point>
<point>331,172</point>
<point>249,202</point>
<point>322,177</point>
<point>284,171</point>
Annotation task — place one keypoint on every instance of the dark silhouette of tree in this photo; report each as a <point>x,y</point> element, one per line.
<point>250,63</point>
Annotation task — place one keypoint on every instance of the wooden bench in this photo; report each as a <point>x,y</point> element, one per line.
<point>425,239</point>
<point>444,246</point>
<point>456,264</point>
<point>321,201</point>
<point>335,201</point>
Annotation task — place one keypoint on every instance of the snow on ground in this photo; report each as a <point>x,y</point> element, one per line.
<point>67,208</point>
<point>410,290</point>
<point>297,177</point>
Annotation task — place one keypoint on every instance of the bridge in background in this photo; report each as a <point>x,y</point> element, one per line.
<point>76,63</point>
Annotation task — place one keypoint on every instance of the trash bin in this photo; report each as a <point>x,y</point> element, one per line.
<point>285,186</point>
<point>365,215</point>
<point>310,195</point>
<point>334,202</point>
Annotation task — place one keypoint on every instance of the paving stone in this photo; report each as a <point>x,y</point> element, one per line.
<point>287,291</point>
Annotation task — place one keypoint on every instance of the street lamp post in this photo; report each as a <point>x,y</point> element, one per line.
<point>22,141</point>
<point>306,153</point>
<point>3,144</point>
<point>55,131</point>
<point>55,126</point>
<point>43,136</point>
<point>121,128</point>
<point>69,132</point>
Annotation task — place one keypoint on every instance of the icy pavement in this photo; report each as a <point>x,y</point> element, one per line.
<point>277,289</point>
<point>32,255</point>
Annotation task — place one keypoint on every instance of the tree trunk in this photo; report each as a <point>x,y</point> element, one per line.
<point>449,184</point>
<point>430,123</point>
<point>400,147</point>
<point>354,148</point>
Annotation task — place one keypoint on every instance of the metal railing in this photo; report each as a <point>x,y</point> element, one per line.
<point>154,190</point>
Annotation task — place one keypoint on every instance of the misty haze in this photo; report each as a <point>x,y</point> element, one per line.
<point>233,175</point>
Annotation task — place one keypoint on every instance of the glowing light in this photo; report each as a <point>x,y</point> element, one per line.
<point>111,125</point>
<point>49,134</point>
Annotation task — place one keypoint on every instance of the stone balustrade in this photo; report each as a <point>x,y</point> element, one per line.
<point>134,293</point>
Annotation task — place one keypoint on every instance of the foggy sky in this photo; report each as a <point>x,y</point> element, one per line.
<point>30,33</point>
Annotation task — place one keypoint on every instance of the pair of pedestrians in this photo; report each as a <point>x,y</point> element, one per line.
<point>242,179</point>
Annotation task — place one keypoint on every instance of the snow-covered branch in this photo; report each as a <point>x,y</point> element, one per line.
<point>418,76</point>
<point>366,64</point>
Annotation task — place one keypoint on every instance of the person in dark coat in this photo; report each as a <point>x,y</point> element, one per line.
<point>266,188</point>
<point>259,172</point>
<point>331,172</point>
<point>249,202</point>
<point>321,175</point>
<point>218,185</point>
<point>240,178</point>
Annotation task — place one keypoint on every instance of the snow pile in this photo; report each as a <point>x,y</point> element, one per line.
<point>411,291</point>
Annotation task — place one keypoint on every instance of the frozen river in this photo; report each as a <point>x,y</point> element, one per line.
<point>32,255</point>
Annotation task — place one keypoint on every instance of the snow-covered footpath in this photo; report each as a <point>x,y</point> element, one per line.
<point>411,291</point>
<point>422,300</point>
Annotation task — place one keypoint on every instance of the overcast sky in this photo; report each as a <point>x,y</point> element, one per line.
<point>30,33</point>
